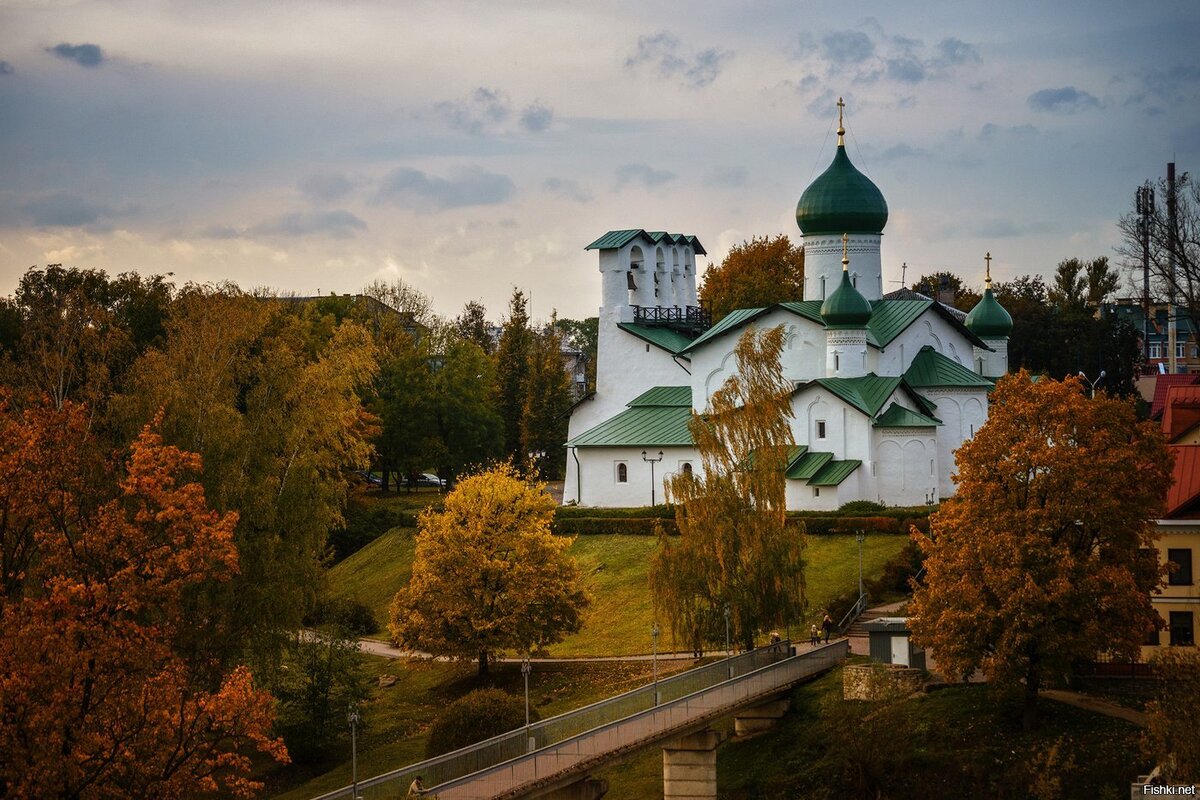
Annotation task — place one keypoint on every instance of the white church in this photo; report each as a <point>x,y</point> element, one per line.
<point>886,386</point>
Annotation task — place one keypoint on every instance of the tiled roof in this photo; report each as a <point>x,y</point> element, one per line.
<point>664,396</point>
<point>808,465</point>
<point>897,416</point>
<point>1161,385</point>
<point>931,368</point>
<point>1183,498</point>
<point>617,239</point>
<point>667,339</point>
<point>834,472</point>
<point>890,318</point>
<point>730,321</point>
<point>643,426</point>
<point>867,394</point>
<point>810,309</point>
<point>1181,411</point>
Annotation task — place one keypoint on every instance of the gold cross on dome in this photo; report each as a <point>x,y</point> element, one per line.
<point>845,256</point>
<point>988,269</point>
<point>841,128</point>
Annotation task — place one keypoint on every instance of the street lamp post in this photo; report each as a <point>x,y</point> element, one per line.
<point>526,668</point>
<point>652,462</point>
<point>654,632</point>
<point>354,720</point>
<point>1092,384</point>
<point>729,668</point>
<point>860,536</point>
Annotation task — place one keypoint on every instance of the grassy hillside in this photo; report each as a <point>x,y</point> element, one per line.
<point>620,619</point>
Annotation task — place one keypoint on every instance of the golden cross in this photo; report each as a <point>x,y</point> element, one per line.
<point>845,257</point>
<point>988,270</point>
<point>841,128</point>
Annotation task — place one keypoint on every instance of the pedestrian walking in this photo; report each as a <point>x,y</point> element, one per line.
<point>827,626</point>
<point>814,635</point>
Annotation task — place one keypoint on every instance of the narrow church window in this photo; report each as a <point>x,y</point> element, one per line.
<point>647,348</point>
<point>622,472</point>
<point>686,469</point>
<point>972,430</point>
<point>931,466</point>
<point>816,491</point>
<point>822,287</point>
<point>837,361</point>
<point>820,429</point>
<point>854,281</point>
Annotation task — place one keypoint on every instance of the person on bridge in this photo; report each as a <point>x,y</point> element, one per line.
<point>827,626</point>
<point>416,788</point>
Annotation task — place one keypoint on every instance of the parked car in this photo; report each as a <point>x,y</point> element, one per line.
<point>370,477</point>
<point>429,479</point>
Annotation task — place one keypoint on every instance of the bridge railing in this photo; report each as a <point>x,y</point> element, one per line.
<point>516,743</point>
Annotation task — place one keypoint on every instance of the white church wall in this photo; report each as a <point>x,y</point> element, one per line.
<point>928,329</point>
<point>906,469</point>
<point>962,412</point>
<point>799,496</point>
<point>823,264</point>
<point>598,473</point>
<point>626,366</point>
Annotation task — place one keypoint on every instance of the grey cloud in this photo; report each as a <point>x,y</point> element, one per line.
<point>484,107</point>
<point>1066,100</point>
<point>643,174</point>
<point>326,187</point>
<point>662,49</point>
<point>848,47</point>
<point>565,187</point>
<point>991,131</point>
<point>900,151</point>
<point>954,51</point>
<point>65,210</point>
<point>85,55</point>
<point>415,189</point>
<point>906,69</point>
<point>219,232</point>
<point>726,177</point>
<point>6,68</point>
<point>337,224</point>
<point>1170,83</point>
<point>536,117</point>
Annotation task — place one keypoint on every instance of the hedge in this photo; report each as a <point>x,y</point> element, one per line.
<point>814,525</point>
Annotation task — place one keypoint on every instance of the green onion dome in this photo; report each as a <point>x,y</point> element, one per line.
<point>988,318</point>
<point>841,199</point>
<point>845,308</point>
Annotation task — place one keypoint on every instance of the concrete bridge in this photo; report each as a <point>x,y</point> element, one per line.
<point>554,758</point>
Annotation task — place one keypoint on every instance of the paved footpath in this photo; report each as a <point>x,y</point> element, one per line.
<point>378,648</point>
<point>1095,704</point>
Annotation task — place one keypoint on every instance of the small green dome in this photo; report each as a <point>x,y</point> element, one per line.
<point>841,199</point>
<point>988,317</point>
<point>845,308</point>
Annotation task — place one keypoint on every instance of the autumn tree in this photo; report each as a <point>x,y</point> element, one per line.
<point>1037,562</point>
<point>472,326</point>
<point>489,577</point>
<point>96,698</point>
<point>512,361</point>
<point>1174,715</point>
<point>547,405</point>
<point>734,550</point>
<point>754,274</point>
<point>932,285</point>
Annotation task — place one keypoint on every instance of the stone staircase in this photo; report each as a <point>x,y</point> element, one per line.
<point>856,628</point>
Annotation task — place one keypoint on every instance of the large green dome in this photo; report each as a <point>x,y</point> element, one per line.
<point>846,308</point>
<point>841,200</point>
<point>988,318</point>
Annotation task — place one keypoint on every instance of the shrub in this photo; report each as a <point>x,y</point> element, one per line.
<point>630,526</point>
<point>364,525</point>
<point>354,617</point>
<point>480,715</point>
<point>896,573</point>
<point>861,507</point>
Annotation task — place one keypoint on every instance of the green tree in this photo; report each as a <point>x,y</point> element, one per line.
<point>489,577</point>
<point>512,363</point>
<point>469,429</point>
<point>325,677</point>
<point>1037,562</point>
<point>548,401</point>
<point>931,286</point>
<point>754,274</point>
<point>583,335</point>
<point>734,550</point>
<point>472,326</point>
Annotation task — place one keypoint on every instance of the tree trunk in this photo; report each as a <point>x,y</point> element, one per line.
<point>1029,708</point>
<point>483,663</point>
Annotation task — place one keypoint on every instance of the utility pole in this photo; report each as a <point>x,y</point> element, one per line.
<point>1145,210</point>
<point>1172,366</point>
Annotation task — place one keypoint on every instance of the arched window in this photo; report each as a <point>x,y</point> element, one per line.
<point>686,469</point>
<point>622,472</point>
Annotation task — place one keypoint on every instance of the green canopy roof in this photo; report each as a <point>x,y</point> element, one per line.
<point>931,368</point>
<point>897,416</point>
<point>841,200</point>
<point>644,426</point>
<point>667,339</point>
<point>664,396</point>
<point>834,472</point>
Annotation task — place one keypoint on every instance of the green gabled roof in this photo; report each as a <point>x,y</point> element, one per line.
<point>795,453</point>
<point>931,368</point>
<point>730,321</point>
<point>664,396</point>
<point>834,472</point>
<point>808,465</point>
<point>695,243</point>
<point>809,309</point>
<point>615,239</point>
<point>643,426</point>
<point>890,318</point>
<point>867,393</point>
<point>897,416</point>
<point>667,339</point>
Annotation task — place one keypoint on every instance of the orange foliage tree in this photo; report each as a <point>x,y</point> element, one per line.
<point>94,701</point>
<point>754,274</point>
<point>1038,561</point>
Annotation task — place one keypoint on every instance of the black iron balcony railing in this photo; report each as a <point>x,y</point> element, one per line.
<point>692,320</point>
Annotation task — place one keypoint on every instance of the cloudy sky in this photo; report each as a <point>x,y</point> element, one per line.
<point>470,147</point>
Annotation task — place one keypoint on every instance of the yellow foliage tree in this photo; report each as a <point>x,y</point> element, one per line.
<point>1174,715</point>
<point>734,550</point>
<point>1038,561</point>
<point>756,273</point>
<point>489,576</point>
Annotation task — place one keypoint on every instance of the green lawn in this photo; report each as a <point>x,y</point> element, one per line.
<point>620,619</point>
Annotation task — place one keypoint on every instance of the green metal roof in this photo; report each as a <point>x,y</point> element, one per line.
<point>834,472</point>
<point>667,339</point>
<point>730,321</point>
<point>616,239</point>
<point>842,200</point>
<point>809,309</point>
<point>867,393</point>
<point>643,426</point>
<point>808,465</point>
<point>988,317</point>
<point>890,318</point>
<point>931,368</point>
<point>846,307</point>
<point>664,396</point>
<point>897,416</point>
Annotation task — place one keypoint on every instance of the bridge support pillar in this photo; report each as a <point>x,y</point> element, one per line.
<point>587,789</point>
<point>690,767</point>
<point>751,721</point>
